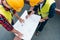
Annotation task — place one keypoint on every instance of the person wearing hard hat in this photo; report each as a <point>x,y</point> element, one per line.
<point>6,6</point>
<point>46,9</point>
<point>31,3</point>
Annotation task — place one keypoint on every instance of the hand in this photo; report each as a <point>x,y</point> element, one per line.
<point>27,16</point>
<point>45,18</point>
<point>16,38</point>
<point>21,20</point>
<point>17,33</point>
<point>41,20</point>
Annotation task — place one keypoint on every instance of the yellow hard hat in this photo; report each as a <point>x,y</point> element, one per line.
<point>16,4</point>
<point>34,2</point>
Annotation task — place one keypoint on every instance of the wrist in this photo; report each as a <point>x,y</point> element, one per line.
<point>13,31</point>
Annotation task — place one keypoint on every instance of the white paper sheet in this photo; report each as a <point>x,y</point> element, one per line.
<point>28,27</point>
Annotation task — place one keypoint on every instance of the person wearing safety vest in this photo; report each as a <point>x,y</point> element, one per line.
<point>44,8</point>
<point>31,3</point>
<point>6,6</point>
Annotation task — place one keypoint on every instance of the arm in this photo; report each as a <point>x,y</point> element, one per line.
<point>17,16</point>
<point>20,19</point>
<point>17,33</point>
<point>5,4</point>
<point>57,10</point>
<point>52,10</point>
<point>7,25</point>
<point>0,2</point>
<point>30,12</point>
<point>34,9</point>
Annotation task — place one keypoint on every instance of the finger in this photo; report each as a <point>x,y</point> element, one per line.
<point>41,20</point>
<point>17,38</point>
<point>26,17</point>
<point>19,35</point>
<point>22,21</point>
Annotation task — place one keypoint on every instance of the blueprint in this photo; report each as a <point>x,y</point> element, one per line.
<point>29,26</point>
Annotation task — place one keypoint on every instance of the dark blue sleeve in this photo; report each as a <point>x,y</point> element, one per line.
<point>36,9</point>
<point>52,10</point>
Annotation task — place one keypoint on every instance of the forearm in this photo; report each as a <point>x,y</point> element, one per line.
<point>57,10</point>
<point>5,4</point>
<point>17,16</point>
<point>5,23</point>
<point>0,2</point>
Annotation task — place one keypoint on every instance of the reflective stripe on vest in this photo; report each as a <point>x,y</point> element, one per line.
<point>6,14</point>
<point>45,9</point>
